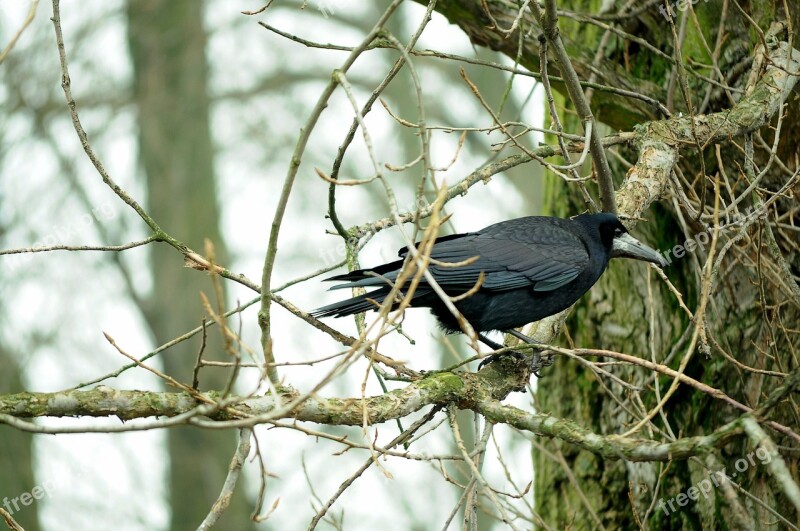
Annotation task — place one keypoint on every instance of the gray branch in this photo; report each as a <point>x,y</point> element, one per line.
<point>480,392</point>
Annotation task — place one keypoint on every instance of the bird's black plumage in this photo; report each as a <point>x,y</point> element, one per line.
<point>533,267</point>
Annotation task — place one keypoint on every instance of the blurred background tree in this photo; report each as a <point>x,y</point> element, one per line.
<point>198,124</point>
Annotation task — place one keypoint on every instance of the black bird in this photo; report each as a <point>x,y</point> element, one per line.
<point>534,267</point>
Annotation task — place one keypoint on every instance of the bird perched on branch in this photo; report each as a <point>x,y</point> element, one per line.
<point>515,272</point>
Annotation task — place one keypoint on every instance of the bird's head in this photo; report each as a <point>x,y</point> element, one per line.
<point>616,238</point>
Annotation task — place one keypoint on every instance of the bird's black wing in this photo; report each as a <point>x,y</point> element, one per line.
<point>536,252</point>
<point>541,253</point>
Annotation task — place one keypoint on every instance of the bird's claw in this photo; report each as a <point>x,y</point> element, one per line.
<point>538,362</point>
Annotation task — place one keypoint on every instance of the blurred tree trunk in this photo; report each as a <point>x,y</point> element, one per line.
<point>748,314</point>
<point>16,447</point>
<point>168,46</point>
<point>16,451</point>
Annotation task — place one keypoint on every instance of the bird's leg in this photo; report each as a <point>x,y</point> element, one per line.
<point>489,343</point>
<point>536,363</point>
<point>494,345</point>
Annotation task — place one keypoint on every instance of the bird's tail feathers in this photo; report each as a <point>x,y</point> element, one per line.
<point>359,304</point>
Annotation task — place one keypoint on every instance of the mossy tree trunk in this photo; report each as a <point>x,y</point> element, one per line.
<point>751,317</point>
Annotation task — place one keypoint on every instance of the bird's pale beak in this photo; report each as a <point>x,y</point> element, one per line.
<point>629,247</point>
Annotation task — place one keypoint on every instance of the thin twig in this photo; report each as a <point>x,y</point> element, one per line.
<point>234,470</point>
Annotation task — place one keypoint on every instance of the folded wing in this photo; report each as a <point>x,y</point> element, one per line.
<point>510,255</point>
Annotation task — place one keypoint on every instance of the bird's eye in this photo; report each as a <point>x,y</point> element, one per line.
<point>618,233</point>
